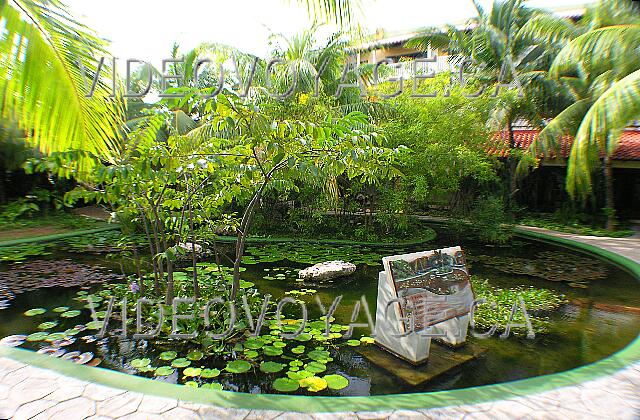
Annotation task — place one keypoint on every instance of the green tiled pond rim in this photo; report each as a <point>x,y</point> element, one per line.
<point>475,395</point>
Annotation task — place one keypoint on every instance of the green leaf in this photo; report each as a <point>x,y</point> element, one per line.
<point>315,367</point>
<point>180,363</point>
<point>285,385</point>
<point>35,311</point>
<point>164,371</point>
<point>336,381</point>
<point>271,367</point>
<point>195,355</point>
<point>168,355</point>
<point>210,373</point>
<point>192,372</point>
<point>140,363</point>
<point>70,314</point>
<point>238,366</point>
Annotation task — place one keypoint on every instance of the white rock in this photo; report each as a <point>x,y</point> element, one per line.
<point>189,247</point>
<point>327,270</point>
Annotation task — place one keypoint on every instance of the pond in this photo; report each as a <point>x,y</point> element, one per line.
<point>595,312</point>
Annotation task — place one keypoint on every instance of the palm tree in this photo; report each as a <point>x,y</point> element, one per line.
<point>43,86</point>
<point>600,66</point>
<point>491,41</point>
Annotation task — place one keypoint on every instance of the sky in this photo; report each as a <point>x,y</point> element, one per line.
<point>147,29</point>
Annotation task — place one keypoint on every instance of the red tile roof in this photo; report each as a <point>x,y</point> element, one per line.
<point>628,147</point>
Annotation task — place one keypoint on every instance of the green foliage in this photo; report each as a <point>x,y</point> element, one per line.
<point>538,302</point>
<point>490,220</point>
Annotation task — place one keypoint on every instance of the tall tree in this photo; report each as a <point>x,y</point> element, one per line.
<point>599,63</point>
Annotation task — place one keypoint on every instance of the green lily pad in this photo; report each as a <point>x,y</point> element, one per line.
<point>140,363</point>
<point>180,363</point>
<point>191,384</point>
<point>336,381</point>
<point>297,350</point>
<point>210,373</point>
<point>251,354</point>
<point>238,366</point>
<point>164,371</point>
<point>195,355</point>
<point>168,355</point>
<point>39,336</point>
<point>192,372</point>
<point>35,311</point>
<point>286,385</point>
<point>213,385</point>
<point>70,314</point>
<point>353,343</point>
<point>367,340</point>
<point>71,331</point>
<point>56,336</point>
<point>315,367</point>
<point>61,309</point>
<point>271,351</point>
<point>297,375</point>
<point>47,325</point>
<point>271,367</point>
<point>95,325</point>
<point>253,343</point>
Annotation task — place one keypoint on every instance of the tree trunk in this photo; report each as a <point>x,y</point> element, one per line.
<point>609,198</point>
<point>513,186</point>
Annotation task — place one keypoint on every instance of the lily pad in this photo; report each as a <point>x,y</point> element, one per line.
<point>168,355</point>
<point>164,371</point>
<point>272,351</point>
<point>238,366</point>
<point>180,363</point>
<point>336,381</point>
<point>95,325</point>
<point>56,336</point>
<point>285,385</point>
<point>61,309</point>
<point>315,367</point>
<point>140,363</point>
<point>213,385</point>
<point>192,372</point>
<point>47,325</point>
<point>271,367</point>
<point>210,373</point>
<point>35,311</point>
<point>366,340</point>
<point>251,354</point>
<point>70,314</point>
<point>39,336</point>
<point>191,384</point>
<point>299,375</point>
<point>313,384</point>
<point>353,343</point>
<point>253,343</point>
<point>195,355</point>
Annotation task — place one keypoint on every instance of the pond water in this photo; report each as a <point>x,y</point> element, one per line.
<point>600,316</point>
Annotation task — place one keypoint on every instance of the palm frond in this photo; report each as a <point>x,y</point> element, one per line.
<point>612,48</point>
<point>341,12</point>
<point>547,29</point>
<point>566,123</point>
<point>608,116</point>
<point>42,86</point>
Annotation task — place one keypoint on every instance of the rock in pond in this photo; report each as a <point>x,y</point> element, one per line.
<point>327,271</point>
<point>189,247</point>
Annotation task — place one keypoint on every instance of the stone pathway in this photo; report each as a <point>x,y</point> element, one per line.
<point>28,392</point>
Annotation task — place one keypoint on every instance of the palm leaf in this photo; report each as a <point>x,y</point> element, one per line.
<point>598,131</point>
<point>567,122</point>
<point>547,29</point>
<point>42,85</point>
<point>612,48</point>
